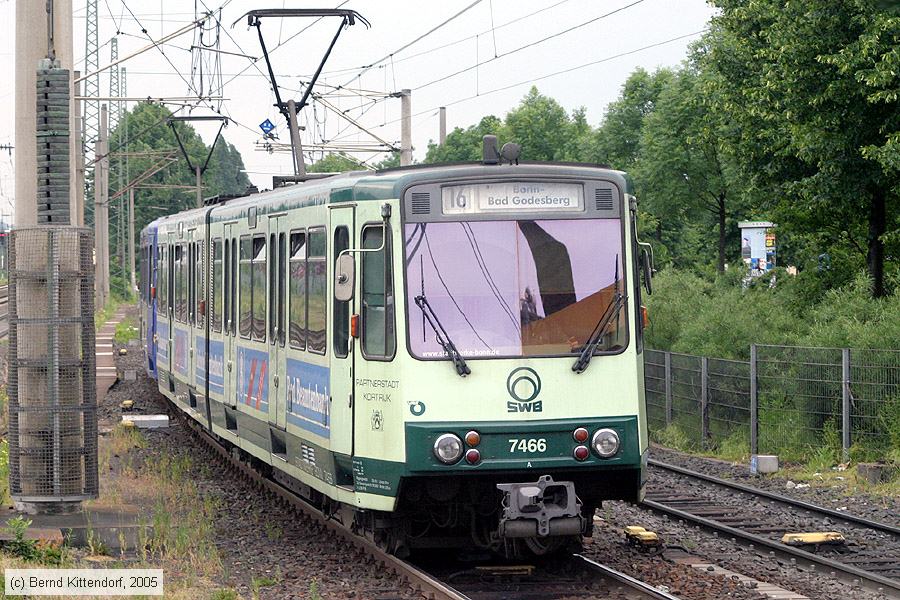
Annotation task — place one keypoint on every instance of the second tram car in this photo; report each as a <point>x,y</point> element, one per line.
<point>439,355</point>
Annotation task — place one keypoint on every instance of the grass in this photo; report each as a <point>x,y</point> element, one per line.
<point>175,528</point>
<point>102,315</point>
<point>126,331</point>
<point>257,583</point>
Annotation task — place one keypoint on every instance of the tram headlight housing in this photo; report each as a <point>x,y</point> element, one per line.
<point>605,443</point>
<point>448,448</point>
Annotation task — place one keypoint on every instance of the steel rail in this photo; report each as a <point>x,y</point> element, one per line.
<point>870,580</point>
<point>847,517</point>
<point>635,584</point>
<point>424,583</point>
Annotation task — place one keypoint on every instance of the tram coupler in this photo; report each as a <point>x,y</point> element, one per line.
<point>541,509</point>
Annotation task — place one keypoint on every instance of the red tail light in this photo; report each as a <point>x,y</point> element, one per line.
<point>354,326</point>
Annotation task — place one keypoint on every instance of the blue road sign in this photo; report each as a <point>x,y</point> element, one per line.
<point>267,126</point>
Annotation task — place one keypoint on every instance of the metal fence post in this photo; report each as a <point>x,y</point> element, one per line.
<point>668,362</point>
<point>845,403</point>
<point>754,403</point>
<point>704,401</point>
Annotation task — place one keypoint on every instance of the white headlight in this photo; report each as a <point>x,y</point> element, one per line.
<point>605,443</point>
<point>448,448</point>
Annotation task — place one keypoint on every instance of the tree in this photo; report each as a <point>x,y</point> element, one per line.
<point>335,163</point>
<point>811,88</point>
<point>148,132</point>
<point>463,144</point>
<point>542,127</point>
<point>617,141</point>
<point>686,176</point>
<point>393,160</point>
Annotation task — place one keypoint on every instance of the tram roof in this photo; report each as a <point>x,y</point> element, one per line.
<point>386,184</point>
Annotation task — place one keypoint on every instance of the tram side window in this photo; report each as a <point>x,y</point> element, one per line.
<point>233,290</point>
<point>245,324</point>
<point>191,282</point>
<point>199,287</point>
<point>282,277</point>
<point>341,309</point>
<point>227,295</point>
<point>297,335</point>
<point>317,311</point>
<point>273,287</point>
<point>259,288</point>
<point>162,298</point>
<point>215,287</point>
<point>179,283</point>
<point>378,337</point>
<point>184,284</point>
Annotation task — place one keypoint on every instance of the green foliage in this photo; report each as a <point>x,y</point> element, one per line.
<point>4,470</point>
<point>314,590</point>
<point>811,89</point>
<point>335,163</point>
<point>673,436</point>
<point>464,144</point>
<point>149,140</point>
<point>31,550</point>
<point>125,331</point>
<point>715,316</point>
<point>225,594</point>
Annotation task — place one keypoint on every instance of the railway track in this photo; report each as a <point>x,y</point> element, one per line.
<point>759,518</point>
<point>569,577</point>
<point>589,578</point>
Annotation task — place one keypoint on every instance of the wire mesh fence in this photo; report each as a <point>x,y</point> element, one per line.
<point>655,387</point>
<point>874,391</point>
<point>796,400</point>
<point>52,398</point>
<point>800,398</point>
<point>686,396</point>
<point>729,405</point>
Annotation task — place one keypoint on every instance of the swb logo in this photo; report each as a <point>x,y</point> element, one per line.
<point>523,385</point>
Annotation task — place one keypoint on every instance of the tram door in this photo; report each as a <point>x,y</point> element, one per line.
<point>278,235</point>
<point>231,311</point>
<point>342,393</point>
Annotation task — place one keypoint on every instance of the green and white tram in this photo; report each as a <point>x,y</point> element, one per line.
<point>442,355</point>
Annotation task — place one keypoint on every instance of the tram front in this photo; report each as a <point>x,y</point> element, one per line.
<point>523,331</point>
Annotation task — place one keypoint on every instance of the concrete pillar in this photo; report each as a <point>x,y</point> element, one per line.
<point>31,46</point>
<point>405,128</point>
<point>442,132</point>
<point>131,236</point>
<point>101,213</point>
<point>77,215</point>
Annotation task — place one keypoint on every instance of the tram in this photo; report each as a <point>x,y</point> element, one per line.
<point>437,355</point>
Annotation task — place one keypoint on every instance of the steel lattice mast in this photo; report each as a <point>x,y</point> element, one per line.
<point>115,112</point>
<point>91,126</point>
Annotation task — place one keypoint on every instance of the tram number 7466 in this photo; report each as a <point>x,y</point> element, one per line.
<point>530,445</point>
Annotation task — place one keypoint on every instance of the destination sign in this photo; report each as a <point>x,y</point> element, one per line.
<point>512,197</point>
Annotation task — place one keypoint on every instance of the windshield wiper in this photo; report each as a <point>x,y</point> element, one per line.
<point>591,346</point>
<point>612,311</point>
<point>442,337</point>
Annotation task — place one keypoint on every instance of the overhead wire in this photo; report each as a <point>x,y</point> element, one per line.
<point>413,42</point>
<point>549,75</point>
<point>479,63</point>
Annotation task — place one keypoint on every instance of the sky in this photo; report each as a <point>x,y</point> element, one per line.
<point>504,36</point>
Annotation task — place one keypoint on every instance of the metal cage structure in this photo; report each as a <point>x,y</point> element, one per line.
<point>52,389</point>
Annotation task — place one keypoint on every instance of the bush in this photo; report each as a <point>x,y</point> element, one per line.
<point>720,317</point>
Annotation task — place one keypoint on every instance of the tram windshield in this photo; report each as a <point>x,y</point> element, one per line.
<point>514,288</point>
